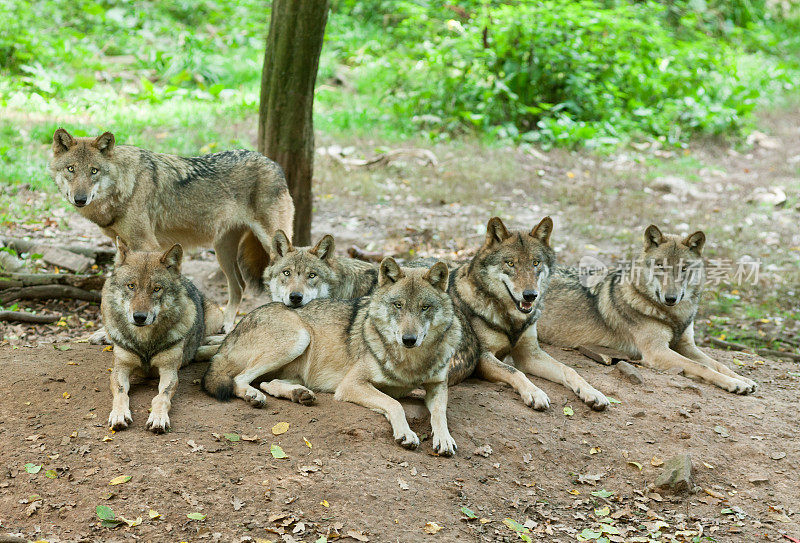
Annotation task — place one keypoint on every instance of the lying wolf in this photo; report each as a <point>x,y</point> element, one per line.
<point>646,313</point>
<point>367,351</point>
<point>156,319</point>
<point>153,200</point>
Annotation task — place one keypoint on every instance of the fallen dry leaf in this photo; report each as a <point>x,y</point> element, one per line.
<point>432,528</point>
<point>280,428</point>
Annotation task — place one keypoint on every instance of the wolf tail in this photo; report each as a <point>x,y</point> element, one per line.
<point>217,382</point>
<point>253,259</point>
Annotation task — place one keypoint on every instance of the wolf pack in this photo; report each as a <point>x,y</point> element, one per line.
<point>368,333</point>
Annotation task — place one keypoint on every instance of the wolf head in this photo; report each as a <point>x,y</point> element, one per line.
<point>81,167</point>
<point>411,306</point>
<point>298,275</point>
<point>514,267</point>
<point>144,283</point>
<point>673,267</point>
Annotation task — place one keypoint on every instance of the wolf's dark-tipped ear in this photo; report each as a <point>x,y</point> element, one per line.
<point>696,242</point>
<point>62,141</point>
<point>543,230</point>
<point>390,271</point>
<point>496,231</point>
<point>652,237</point>
<point>122,252</point>
<point>281,244</point>
<point>325,247</point>
<point>438,276</point>
<point>104,143</point>
<point>172,258</point>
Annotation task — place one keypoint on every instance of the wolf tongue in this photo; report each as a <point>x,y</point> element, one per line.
<point>525,305</point>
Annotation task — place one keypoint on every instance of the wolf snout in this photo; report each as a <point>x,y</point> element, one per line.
<point>529,295</point>
<point>80,200</point>
<point>296,298</point>
<point>139,318</point>
<point>409,340</point>
<point>670,299</point>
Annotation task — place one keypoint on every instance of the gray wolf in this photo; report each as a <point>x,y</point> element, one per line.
<point>500,293</point>
<point>297,275</point>
<point>156,319</point>
<point>645,313</point>
<point>153,200</point>
<point>368,351</point>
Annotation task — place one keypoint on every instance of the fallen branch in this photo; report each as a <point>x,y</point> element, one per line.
<point>384,159</point>
<point>87,282</point>
<point>47,292</point>
<point>778,354</point>
<point>99,254</point>
<point>22,316</point>
<point>763,352</point>
<point>729,345</point>
<point>358,253</point>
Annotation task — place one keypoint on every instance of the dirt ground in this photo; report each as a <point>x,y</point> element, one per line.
<point>351,478</point>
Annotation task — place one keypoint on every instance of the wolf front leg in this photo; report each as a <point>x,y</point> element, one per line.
<point>124,362</point>
<point>361,392</point>
<point>529,357</point>
<point>497,371</point>
<point>436,401</point>
<point>167,363</point>
<point>687,347</point>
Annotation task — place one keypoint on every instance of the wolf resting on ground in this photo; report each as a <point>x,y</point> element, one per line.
<point>156,319</point>
<point>153,200</point>
<point>648,315</point>
<point>368,351</point>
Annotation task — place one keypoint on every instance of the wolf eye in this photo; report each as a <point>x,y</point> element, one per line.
<point>156,289</point>
<point>535,263</point>
<point>426,307</point>
<point>94,171</point>
<point>70,168</point>
<point>398,305</point>
<point>312,275</point>
<point>287,273</point>
<point>131,286</point>
<point>510,263</point>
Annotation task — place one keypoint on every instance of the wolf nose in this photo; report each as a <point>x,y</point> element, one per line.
<point>139,318</point>
<point>409,340</point>
<point>670,300</point>
<point>296,298</point>
<point>529,295</point>
<point>80,200</point>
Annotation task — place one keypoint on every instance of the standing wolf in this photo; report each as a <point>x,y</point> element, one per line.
<point>153,200</point>
<point>368,351</point>
<point>156,319</point>
<point>500,292</point>
<point>648,315</point>
<point>298,275</point>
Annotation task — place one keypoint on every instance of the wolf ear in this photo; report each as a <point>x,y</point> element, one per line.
<point>324,248</point>
<point>543,230</point>
<point>172,258</point>
<point>62,141</point>
<point>496,231</point>
<point>695,242</point>
<point>281,244</point>
<point>104,143</point>
<point>122,252</point>
<point>438,276</point>
<point>390,272</point>
<point>652,237</point>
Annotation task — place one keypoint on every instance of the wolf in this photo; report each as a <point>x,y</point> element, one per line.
<point>646,312</point>
<point>500,292</point>
<point>153,200</point>
<point>156,319</point>
<point>297,275</point>
<point>368,351</point>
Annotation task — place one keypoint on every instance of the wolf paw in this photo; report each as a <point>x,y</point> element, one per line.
<point>446,446</point>
<point>255,397</point>
<point>119,420</point>
<point>303,396</point>
<point>739,386</point>
<point>158,423</point>
<point>99,338</point>
<point>536,399</point>
<point>593,398</point>
<point>408,439</point>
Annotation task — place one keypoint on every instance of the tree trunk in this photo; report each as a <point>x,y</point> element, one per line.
<point>285,121</point>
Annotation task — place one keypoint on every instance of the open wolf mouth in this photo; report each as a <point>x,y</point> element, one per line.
<point>522,305</point>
